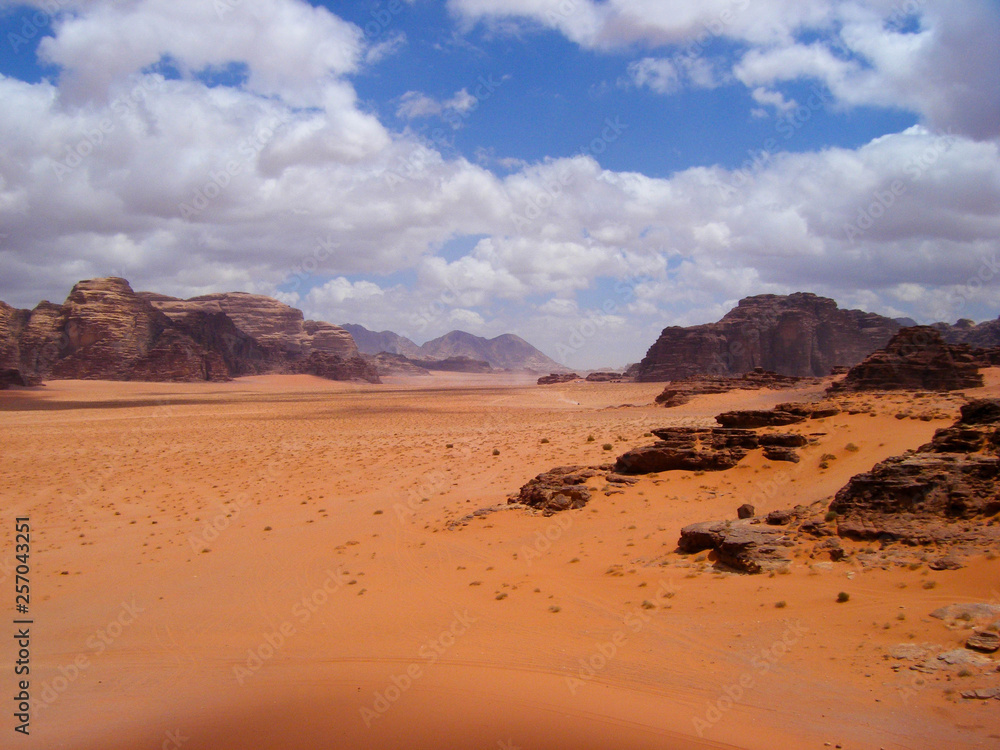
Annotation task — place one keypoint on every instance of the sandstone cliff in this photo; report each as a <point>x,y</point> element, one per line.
<point>799,334</point>
<point>106,331</point>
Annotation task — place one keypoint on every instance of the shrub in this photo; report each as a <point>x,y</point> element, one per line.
<point>544,440</point>
<point>607,446</point>
<point>496,451</point>
<point>831,515</point>
<point>780,605</point>
<point>590,438</point>
<point>851,447</point>
<point>842,597</point>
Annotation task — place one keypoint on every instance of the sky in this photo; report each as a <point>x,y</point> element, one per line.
<point>582,173</point>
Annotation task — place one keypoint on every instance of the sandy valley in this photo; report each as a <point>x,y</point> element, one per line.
<point>290,562</point>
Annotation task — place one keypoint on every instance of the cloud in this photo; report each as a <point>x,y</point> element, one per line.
<point>908,54</point>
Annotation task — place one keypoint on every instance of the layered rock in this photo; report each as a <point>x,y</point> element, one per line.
<point>984,335</point>
<point>336,367</point>
<point>556,378</point>
<point>604,377</point>
<point>395,364</point>
<point>105,330</point>
<point>741,545</point>
<point>689,449</point>
<point>799,334</point>
<point>917,358</point>
<point>681,391</point>
<point>564,488</point>
<point>941,493</point>
<point>275,326</point>
<point>454,364</point>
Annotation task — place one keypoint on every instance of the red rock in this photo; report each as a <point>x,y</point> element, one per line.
<point>556,378</point>
<point>916,358</point>
<point>799,334</point>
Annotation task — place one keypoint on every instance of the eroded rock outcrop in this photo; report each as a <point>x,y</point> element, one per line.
<point>106,331</point>
<point>556,378</point>
<point>916,358</point>
<point>564,488</point>
<point>689,449</point>
<point>942,492</point>
<point>679,392</point>
<point>799,334</point>
<point>741,545</point>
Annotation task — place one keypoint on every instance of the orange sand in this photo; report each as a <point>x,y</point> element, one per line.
<point>252,564</point>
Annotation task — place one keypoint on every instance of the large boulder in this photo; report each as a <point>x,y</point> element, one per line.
<point>689,449</point>
<point>746,547</point>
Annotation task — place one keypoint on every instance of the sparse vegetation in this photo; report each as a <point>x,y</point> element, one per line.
<point>607,446</point>
<point>930,584</point>
<point>544,440</point>
<point>496,451</point>
<point>842,597</point>
<point>590,438</point>
<point>781,605</point>
<point>851,447</point>
<point>831,515</point>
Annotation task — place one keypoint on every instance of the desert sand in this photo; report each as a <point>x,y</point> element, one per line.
<point>289,562</point>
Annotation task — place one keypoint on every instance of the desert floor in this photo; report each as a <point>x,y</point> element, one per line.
<point>287,562</point>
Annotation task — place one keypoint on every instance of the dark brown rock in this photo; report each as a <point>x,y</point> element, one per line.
<point>916,358</point>
<point>783,440</point>
<point>690,449</point>
<point>395,364</point>
<point>777,453</point>
<point>337,367</point>
<point>680,391</point>
<point>738,545</point>
<point>752,419</point>
<point>984,640</point>
<point>745,511</point>
<point>799,334</point>
<point>10,376</point>
<point>559,489</point>
<point>556,378</point>
<point>604,377</point>
<point>937,494</point>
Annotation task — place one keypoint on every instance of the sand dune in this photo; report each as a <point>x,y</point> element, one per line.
<point>288,562</point>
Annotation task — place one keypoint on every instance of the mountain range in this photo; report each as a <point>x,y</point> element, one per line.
<point>505,352</point>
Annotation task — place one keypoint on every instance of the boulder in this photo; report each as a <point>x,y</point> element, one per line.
<point>752,419</point>
<point>559,489</point>
<point>555,378</point>
<point>738,545</point>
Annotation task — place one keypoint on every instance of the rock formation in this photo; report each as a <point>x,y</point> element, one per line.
<point>454,364</point>
<point>556,378</point>
<point>680,391</point>
<point>741,545</point>
<point>605,377</point>
<point>564,488</point>
<point>395,364</point>
<point>942,492</point>
<point>916,358</point>
<point>799,334</point>
<point>104,330</point>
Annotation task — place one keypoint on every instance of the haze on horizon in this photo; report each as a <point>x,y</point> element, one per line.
<point>523,166</point>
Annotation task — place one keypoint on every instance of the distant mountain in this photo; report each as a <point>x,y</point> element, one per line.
<point>376,342</point>
<point>506,352</point>
<point>966,331</point>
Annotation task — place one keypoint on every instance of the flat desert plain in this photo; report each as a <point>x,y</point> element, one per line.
<point>288,562</point>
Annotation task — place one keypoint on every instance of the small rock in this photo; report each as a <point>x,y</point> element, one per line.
<point>908,651</point>
<point>983,694</point>
<point>962,658</point>
<point>745,511</point>
<point>984,640</point>
<point>948,562</point>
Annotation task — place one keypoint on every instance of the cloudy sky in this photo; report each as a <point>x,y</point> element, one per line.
<point>579,172</point>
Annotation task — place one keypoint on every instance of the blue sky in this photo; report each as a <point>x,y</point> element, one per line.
<point>580,173</point>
